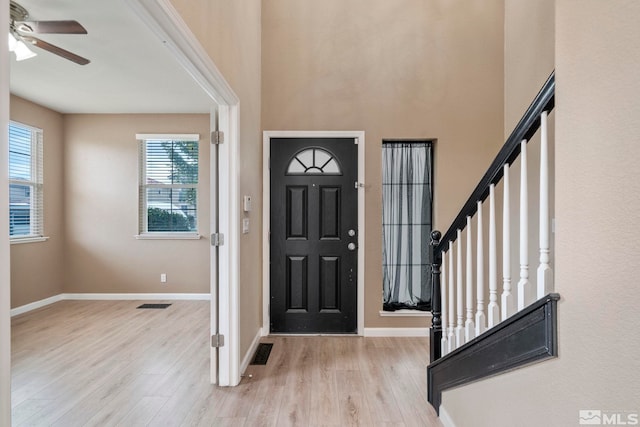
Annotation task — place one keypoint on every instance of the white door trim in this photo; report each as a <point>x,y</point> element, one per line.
<point>266,217</point>
<point>163,19</point>
<point>5,286</point>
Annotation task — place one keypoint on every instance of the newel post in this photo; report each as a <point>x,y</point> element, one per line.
<point>435,333</point>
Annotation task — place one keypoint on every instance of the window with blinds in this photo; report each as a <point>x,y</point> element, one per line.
<point>25,182</point>
<point>168,184</point>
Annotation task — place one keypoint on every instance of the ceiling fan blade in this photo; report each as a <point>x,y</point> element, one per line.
<point>56,50</point>
<point>50,27</point>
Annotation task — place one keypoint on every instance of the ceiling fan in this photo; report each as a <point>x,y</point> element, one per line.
<point>22,30</point>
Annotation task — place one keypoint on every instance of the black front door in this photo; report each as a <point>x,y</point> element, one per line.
<point>314,219</point>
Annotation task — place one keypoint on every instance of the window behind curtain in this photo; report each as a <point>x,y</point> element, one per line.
<point>169,184</point>
<point>407,196</point>
<point>25,182</point>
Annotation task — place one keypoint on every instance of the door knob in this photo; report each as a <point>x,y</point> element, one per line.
<point>351,246</point>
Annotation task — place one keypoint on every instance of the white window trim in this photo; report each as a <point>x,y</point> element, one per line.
<point>168,236</point>
<point>37,169</point>
<point>170,136</point>
<point>405,312</point>
<point>176,235</point>
<point>28,239</point>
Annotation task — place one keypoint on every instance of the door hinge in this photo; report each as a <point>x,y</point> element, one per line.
<point>217,341</point>
<point>217,239</point>
<point>217,137</point>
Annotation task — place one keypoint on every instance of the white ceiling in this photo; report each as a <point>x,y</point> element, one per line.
<point>130,71</point>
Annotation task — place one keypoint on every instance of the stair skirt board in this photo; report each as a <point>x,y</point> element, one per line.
<point>128,297</point>
<point>527,337</point>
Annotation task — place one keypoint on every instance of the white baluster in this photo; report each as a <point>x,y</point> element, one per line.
<point>469,327</point>
<point>545,275</point>
<point>451,339</point>
<point>459,292</point>
<point>525,290</point>
<point>507,303</point>
<point>493,309</point>
<point>481,319</point>
<point>444,347</point>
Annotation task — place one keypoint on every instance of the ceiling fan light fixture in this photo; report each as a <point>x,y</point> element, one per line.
<point>22,52</point>
<point>12,43</point>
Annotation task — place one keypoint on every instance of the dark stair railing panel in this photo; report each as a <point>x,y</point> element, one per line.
<point>527,337</point>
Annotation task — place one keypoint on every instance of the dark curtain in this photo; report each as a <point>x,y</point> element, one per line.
<point>407,197</point>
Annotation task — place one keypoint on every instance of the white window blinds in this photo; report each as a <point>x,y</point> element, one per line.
<point>169,183</point>
<point>25,182</point>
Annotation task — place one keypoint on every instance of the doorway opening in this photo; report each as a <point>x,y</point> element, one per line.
<point>171,30</point>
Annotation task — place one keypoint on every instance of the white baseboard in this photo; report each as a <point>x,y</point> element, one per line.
<point>35,305</point>
<point>133,297</point>
<point>445,418</point>
<point>396,332</point>
<point>252,349</point>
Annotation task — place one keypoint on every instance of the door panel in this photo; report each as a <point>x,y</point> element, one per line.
<point>330,283</point>
<point>297,217</point>
<point>313,272</point>
<point>329,213</point>
<point>297,283</point>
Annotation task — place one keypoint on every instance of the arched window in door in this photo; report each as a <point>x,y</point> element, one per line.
<point>314,161</point>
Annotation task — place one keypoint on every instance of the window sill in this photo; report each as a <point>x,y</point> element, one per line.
<point>405,313</point>
<point>168,236</point>
<point>32,239</point>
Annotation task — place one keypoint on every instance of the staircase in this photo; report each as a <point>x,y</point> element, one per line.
<point>469,338</point>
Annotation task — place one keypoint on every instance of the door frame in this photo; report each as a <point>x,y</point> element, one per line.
<point>167,24</point>
<point>266,215</point>
<point>5,265</point>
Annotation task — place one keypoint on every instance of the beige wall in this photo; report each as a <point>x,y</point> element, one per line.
<point>230,33</point>
<point>91,210</point>
<point>37,268</point>
<point>529,39</point>
<point>401,69</point>
<point>597,239</point>
<point>101,199</point>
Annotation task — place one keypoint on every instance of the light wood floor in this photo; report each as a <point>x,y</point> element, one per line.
<point>103,363</point>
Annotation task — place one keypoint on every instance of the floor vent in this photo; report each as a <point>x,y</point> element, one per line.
<point>262,354</point>
<point>154,306</point>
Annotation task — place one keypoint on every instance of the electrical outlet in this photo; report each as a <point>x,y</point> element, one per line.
<point>163,278</point>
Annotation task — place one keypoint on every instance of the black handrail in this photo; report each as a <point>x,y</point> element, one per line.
<point>524,130</point>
